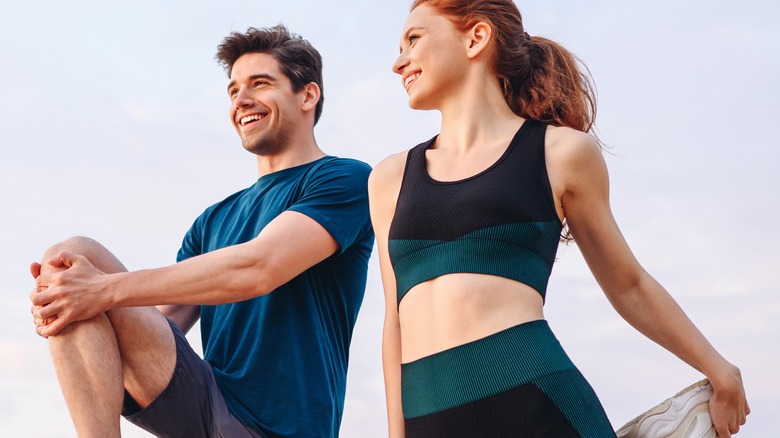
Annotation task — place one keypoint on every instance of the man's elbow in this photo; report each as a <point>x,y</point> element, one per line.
<point>260,278</point>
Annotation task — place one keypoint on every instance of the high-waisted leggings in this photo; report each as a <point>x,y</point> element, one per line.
<point>515,383</point>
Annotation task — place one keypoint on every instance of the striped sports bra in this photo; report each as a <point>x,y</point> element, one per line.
<point>501,221</point>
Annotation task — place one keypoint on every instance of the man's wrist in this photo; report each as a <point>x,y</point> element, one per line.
<point>111,291</point>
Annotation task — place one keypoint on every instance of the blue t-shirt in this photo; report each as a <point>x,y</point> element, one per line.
<point>280,360</point>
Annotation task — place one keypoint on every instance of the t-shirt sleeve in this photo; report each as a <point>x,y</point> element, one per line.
<point>191,244</point>
<point>336,196</point>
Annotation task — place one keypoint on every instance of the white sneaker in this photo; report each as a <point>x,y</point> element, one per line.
<point>686,415</point>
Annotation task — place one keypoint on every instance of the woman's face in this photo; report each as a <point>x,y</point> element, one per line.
<point>433,58</point>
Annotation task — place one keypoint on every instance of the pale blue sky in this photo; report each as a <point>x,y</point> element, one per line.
<point>114,125</point>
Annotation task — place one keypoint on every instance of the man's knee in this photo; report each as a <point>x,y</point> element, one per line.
<point>90,248</point>
<point>77,244</point>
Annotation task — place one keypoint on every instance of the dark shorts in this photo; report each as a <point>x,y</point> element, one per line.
<point>191,406</point>
<point>515,383</point>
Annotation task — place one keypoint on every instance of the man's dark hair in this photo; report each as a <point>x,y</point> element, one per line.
<point>299,61</point>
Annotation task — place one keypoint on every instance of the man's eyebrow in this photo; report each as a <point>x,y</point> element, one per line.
<point>268,76</point>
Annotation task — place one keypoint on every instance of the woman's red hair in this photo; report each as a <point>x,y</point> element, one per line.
<point>541,79</point>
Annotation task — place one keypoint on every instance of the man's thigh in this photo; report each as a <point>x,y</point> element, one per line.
<point>191,405</point>
<point>147,348</point>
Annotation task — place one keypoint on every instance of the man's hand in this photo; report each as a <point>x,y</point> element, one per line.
<point>35,270</point>
<point>69,289</point>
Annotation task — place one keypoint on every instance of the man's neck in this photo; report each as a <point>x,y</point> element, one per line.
<point>295,155</point>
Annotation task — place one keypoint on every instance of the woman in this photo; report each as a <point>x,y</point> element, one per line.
<point>467,228</point>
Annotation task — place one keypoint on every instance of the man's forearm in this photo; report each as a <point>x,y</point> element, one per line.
<point>227,275</point>
<point>289,245</point>
<point>184,315</point>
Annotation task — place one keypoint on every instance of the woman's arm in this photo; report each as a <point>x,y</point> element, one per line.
<point>581,183</point>
<point>383,187</point>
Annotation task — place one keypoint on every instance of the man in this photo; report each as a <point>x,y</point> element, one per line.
<point>275,272</point>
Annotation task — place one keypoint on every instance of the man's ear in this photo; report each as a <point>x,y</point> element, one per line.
<point>311,96</point>
<point>478,38</point>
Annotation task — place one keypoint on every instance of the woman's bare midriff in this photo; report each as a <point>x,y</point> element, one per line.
<point>458,308</point>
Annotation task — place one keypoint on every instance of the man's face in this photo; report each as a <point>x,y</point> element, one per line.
<point>264,109</point>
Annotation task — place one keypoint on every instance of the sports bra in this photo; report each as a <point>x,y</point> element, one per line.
<point>501,221</point>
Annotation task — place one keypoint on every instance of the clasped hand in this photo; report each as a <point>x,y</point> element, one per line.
<point>68,288</point>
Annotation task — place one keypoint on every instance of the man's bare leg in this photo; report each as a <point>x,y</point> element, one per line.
<point>130,348</point>
<point>89,369</point>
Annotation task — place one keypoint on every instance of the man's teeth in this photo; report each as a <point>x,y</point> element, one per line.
<point>247,119</point>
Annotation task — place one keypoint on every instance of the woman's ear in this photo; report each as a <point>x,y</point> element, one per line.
<point>478,39</point>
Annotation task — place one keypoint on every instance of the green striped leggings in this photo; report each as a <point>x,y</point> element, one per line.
<point>515,383</point>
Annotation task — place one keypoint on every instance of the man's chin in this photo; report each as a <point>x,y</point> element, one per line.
<point>259,148</point>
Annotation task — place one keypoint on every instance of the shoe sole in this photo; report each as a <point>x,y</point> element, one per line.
<point>685,415</point>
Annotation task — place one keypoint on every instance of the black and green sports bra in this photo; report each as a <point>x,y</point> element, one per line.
<point>500,222</point>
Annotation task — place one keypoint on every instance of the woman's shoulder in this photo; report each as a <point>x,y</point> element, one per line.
<point>388,170</point>
<point>568,146</point>
<point>571,139</point>
<point>394,165</point>
<point>384,185</point>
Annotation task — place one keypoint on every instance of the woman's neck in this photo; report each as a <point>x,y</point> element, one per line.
<point>477,115</point>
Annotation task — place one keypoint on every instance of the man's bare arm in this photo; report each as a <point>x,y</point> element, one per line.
<point>287,246</point>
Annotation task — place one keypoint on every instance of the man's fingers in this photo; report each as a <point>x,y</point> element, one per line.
<point>47,321</point>
<point>65,260</point>
<point>39,331</point>
<point>35,269</point>
<point>41,282</point>
<point>33,309</point>
<point>53,328</point>
<point>41,323</point>
<point>46,312</point>
<point>39,298</point>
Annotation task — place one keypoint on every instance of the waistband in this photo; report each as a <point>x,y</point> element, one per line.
<point>481,368</point>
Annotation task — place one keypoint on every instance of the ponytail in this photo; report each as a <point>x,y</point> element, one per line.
<point>554,90</point>
<point>541,80</point>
